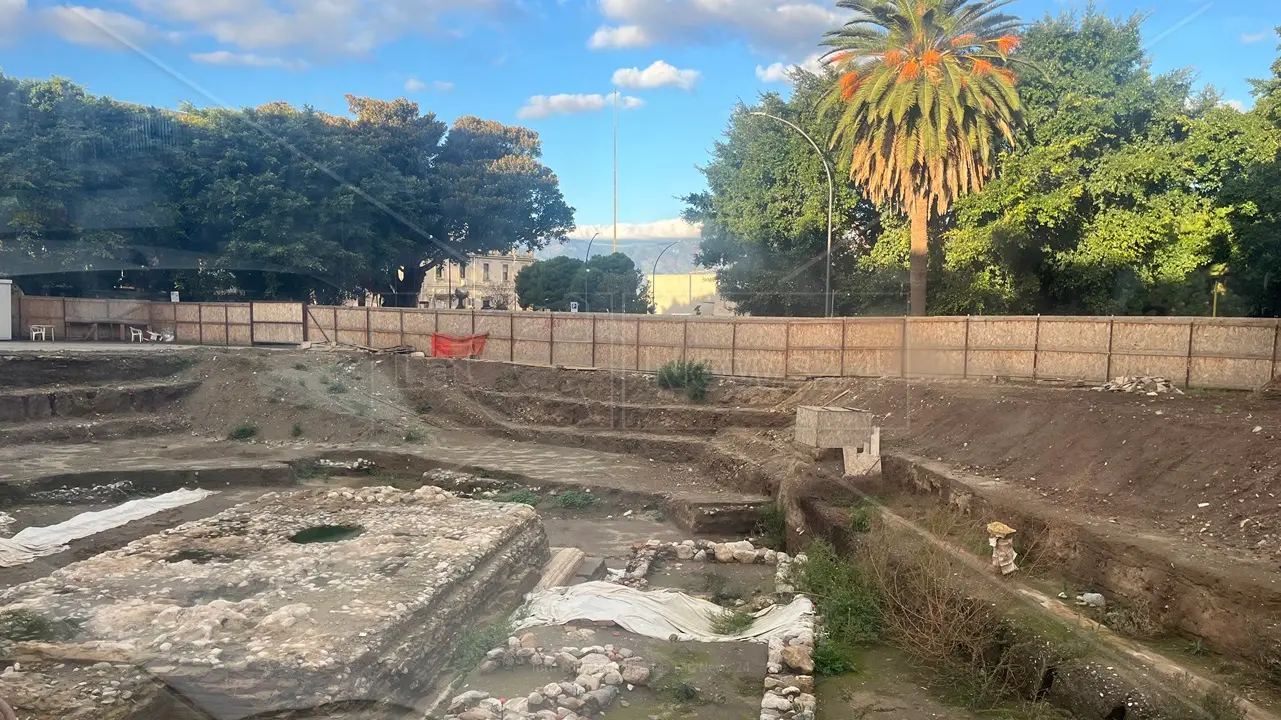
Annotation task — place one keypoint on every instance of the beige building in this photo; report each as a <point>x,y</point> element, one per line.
<point>484,282</point>
<point>687,294</point>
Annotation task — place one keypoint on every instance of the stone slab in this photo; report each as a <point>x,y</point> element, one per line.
<point>832,427</point>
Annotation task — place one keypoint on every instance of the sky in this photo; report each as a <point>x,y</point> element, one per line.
<point>679,66</point>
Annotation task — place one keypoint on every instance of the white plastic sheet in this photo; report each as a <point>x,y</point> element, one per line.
<point>34,542</point>
<point>662,614</point>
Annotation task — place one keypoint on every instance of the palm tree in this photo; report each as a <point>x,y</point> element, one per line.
<point>924,103</point>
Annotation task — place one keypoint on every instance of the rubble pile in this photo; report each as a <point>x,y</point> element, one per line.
<point>1146,384</point>
<point>645,554</point>
<point>599,674</point>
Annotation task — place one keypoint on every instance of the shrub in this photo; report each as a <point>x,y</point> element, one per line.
<point>24,626</point>
<point>731,622</point>
<point>243,432</point>
<point>296,430</point>
<point>477,641</point>
<point>413,436</point>
<point>860,520</point>
<point>692,377</point>
<point>575,500</point>
<point>846,600</point>
<point>337,389</point>
<point>771,528</point>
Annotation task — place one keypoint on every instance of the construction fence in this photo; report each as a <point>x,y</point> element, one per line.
<point>1228,353</point>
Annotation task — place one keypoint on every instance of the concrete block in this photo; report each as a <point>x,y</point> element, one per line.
<point>832,427</point>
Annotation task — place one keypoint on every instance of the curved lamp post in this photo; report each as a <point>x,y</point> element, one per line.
<point>585,270</point>
<point>653,274</point>
<point>828,305</point>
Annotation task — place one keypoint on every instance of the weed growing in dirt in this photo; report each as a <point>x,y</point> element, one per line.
<point>847,602</point>
<point>575,500</point>
<point>731,622</point>
<point>860,520</point>
<point>423,408</point>
<point>302,382</point>
<point>243,432</point>
<point>477,641</point>
<point>717,586</point>
<point>771,528</point>
<point>413,436</point>
<point>337,389</point>
<point>296,430</point>
<point>692,377</point>
<point>27,626</point>
<point>299,366</point>
<point>523,497</point>
<point>677,685</point>
<point>1219,704</point>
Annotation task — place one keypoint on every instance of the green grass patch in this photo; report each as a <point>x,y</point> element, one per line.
<point>731,622</point>
<point>27,626</point>
<point>522,497</point>
<point>299,366</point>
<point>413,436</point>
<point>692,377</point>
<point>771,528</point>
<point>243,432</point>
<point>296,430</point>
<point>575,500</point>
<point>477,641</point>
<point>860,520</point>
<point>337,388</point>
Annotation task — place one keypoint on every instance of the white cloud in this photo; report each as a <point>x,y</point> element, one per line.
<point>675,229</point>
<point>13,13</point>
<point>1254,37</point>
<point>541,106</point>
<point>1235,105</point>
<point>322,27</point>
<point>791,26</point>
<point>617,38</point>
<point>227,58</point>
<point>657,75</point>
<point>442,86</point>
<point>414,85</point>
<point>781,72</point>
<point>95,27</point>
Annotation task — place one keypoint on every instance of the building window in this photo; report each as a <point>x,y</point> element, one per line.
<point>506,273</point>
<point>462,272</point>
<point>485,271</point>
<point>440,272</point>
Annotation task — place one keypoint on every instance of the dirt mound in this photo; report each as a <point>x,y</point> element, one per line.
<point>325,397</point>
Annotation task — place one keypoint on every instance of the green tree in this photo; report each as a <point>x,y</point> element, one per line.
<point>764,217</point>
<point>612,283</point>
<point>549,284</point>
<point>925,103</point>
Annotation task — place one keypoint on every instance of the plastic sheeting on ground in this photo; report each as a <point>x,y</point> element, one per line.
<point>34,542</point>
<point>661,614</point>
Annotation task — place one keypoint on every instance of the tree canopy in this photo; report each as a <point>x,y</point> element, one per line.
<point>605,283</point>
<point>267,202</point>
<point>1127,192</point>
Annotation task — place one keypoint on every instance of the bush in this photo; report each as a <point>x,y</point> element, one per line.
<point>296,431</point>
<point>692,377</point>
<point>575,500</point>
<point>478,641</point>
<point>731,622</point>
<point>771,528</point>
<point>413,436</point>
<point>847,602</point>
<point>337,389</point>
<point>243,432</point>
<point>860,520</point>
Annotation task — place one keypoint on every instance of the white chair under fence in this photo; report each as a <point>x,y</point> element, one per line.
<point>41,332</point>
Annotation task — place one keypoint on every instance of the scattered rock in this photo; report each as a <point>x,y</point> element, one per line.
<point>635,674</point>
<point>529,640</point>
<point>798,657</point>
<point>466,700</point>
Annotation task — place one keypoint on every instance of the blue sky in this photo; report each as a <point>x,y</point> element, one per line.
<point>683,64</point>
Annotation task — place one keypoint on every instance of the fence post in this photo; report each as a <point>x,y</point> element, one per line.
<point>593,340</point>
<point>1187,381</point>
<point>733,347</point>
<point>551,338</point>
<point>335,324</point>
<point>1036,348</point>
<point>1276,338</point>
<point>787,349</point>
<point>1111,333</point>
<point>401,312</point>
<point>511,336</point>
<point>638,323</point>
<point>64,318</point>
<point>845,327</point>
<point>251,323</point>
<point>305,331</point>
<point>200,323</point>
<point>685,341</point>
<point>902,359</point>
<point>369,325</point>
<point>965,353</point>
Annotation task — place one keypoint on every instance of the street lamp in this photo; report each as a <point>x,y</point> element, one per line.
<point>828,303</point>
<point>654,274</point>
<point>585,269</point>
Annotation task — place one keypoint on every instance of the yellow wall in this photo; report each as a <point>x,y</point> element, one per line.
<point>678,294</point>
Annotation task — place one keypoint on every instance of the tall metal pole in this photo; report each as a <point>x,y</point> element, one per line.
<point>654,274</point>
<point>585,259</point>
<point>615,169</point>
<point>829,304</point>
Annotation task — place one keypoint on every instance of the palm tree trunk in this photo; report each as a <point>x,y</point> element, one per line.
<point>920,214</point>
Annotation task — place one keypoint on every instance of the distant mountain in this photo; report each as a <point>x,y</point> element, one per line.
<point>678,259</point>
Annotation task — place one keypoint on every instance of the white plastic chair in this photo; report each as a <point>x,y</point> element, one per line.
<point>41,332</point>
<point>135,334</point>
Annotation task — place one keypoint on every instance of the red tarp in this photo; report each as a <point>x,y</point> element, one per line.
<point>451,346</point>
